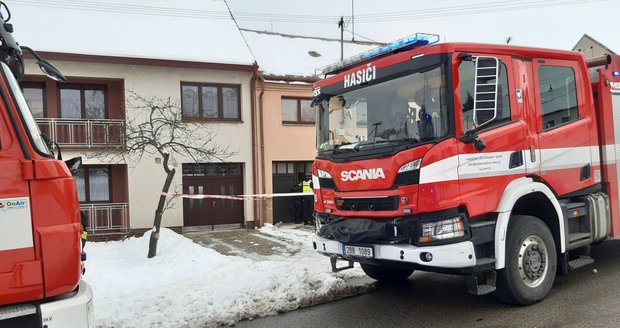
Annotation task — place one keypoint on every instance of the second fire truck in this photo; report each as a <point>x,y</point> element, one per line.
<point>498,163</point>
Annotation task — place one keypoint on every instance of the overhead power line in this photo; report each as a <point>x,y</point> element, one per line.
<point>459,10</point>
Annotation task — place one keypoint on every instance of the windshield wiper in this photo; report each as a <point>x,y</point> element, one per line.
<point>383,142</point>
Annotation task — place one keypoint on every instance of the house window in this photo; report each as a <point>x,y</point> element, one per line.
<point>211,101</point>
<point>93,184</point>
<point>85,102</point>
<point>558,95</point>
<point>296,110</point>
<point>35,98</point>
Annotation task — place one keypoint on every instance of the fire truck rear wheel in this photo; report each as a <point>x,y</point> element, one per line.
<point>530,262</point>
<point>386,274</point>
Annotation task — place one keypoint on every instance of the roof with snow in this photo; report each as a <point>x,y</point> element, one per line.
<point>189,30</point>
<point>292,56</point>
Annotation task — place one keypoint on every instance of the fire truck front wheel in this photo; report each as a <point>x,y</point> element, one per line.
<point>386,274</point>
<point>530,262</point>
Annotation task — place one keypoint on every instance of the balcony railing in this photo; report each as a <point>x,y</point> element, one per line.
<point>110,217</point>
<point>89,133</point>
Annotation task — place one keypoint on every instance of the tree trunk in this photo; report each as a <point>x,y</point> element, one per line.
<point>160,208</point>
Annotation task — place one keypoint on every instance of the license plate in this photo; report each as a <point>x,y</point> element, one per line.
<point>357,251</point>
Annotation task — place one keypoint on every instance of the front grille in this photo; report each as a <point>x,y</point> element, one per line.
<point>367,204</point>
<point>408,178</point>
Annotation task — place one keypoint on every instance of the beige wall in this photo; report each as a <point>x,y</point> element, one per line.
<point>147,177</point>
<point>283,142</point>
<point>590,48</point>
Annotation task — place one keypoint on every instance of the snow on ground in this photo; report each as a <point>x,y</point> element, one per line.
<point>188,285</point>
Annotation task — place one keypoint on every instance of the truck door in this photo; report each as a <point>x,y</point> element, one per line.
<point>524,91</point>
<point>483,175</point>
<point>564,125</point>
<point>20,273</point>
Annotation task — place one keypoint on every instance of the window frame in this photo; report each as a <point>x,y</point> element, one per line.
<point>504,62</point>
<point>36,85</point>
<point>299,100</point>
<point>220,102</point>
<point>538,96</point>
<point>82,87</point>
<point>86,169</point>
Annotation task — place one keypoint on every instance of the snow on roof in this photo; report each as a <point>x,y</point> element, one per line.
<point>190,30</point>
<point>298,56</point>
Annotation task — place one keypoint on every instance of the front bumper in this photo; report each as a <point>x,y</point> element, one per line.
<point>451,256</point>
<point>74,311</point>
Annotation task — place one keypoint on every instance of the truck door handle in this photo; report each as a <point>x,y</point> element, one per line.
<point>516,159</point>
<point>213,203</point>
<point>585,173</point>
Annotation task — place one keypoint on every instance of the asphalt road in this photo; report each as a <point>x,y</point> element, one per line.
<point>580,299</point>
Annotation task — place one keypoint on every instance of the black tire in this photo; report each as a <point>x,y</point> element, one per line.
<point>386,274</point>
<point>531,262</point>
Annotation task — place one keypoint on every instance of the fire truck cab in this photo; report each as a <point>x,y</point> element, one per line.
<point>489,161</point>
<point>40,246</point>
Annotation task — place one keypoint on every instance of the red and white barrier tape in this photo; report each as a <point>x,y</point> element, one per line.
<point>237,197</point>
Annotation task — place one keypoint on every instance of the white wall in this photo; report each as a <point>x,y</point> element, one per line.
<point>146,178</point>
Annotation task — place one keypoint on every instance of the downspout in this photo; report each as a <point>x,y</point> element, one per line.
<point>257,218</point>
<point>261,133</point>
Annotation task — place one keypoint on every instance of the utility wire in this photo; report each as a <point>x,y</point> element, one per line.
<point>470,9</point>
<point>361,36</point>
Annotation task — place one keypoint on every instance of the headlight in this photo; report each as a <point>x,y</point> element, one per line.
<point>414,165</point>
<point>324,174</point>
<point>444,229</point>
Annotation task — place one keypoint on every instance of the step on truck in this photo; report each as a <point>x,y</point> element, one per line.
<point>495,162</point>
<point>40,245</point>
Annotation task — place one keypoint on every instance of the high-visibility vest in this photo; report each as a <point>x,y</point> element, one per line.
<point>306,186</point>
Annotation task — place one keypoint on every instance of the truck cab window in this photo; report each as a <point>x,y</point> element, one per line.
<point>466,82</point>
<point>29,122</point>
<point>558,95</point>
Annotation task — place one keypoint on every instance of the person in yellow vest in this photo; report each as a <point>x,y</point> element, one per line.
<point>308,199</point>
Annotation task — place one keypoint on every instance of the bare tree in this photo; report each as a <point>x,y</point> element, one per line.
<point>158,129</point>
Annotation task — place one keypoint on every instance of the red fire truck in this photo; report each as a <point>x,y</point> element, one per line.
<point>40,247</point>
<point>498,163</point>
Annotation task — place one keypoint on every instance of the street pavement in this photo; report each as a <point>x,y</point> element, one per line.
<point>247,243</point>
<point>581,299</point>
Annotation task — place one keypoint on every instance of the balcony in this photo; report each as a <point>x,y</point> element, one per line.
<point>84,133</point>
<point>106,218</point>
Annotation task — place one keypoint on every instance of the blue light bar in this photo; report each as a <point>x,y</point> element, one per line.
<point>412,41</point>
<point>615,73</point>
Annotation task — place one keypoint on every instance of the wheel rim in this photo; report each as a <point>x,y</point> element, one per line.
<point>533,261</point>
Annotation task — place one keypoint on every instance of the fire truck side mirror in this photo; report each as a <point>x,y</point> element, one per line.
<point>47,68</point>
<point>485,90</point>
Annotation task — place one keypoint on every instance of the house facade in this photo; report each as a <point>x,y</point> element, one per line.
<point>286,140</point>
<point>591,48</point>
<point>251,90</point>
<point>210,79</point>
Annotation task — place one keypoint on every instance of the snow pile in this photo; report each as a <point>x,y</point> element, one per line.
<point>187,285</point>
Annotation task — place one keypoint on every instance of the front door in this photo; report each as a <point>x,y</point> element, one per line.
<point>204,184</point>
<point>483,175</point>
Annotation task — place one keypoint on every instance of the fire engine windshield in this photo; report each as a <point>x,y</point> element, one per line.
<point>29,122</point>
<point>410,109</point>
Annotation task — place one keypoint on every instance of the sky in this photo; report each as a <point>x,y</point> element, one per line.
<point>541,23</point>
<point>188,285</point>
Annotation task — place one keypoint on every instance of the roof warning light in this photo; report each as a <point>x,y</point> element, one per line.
<point>410,42</point>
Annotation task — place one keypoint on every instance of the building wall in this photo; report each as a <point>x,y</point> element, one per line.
<point>283,142</point>
<point>590,48</point>
<point>146,177</point>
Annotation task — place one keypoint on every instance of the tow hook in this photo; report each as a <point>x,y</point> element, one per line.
<point>333,261</point>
